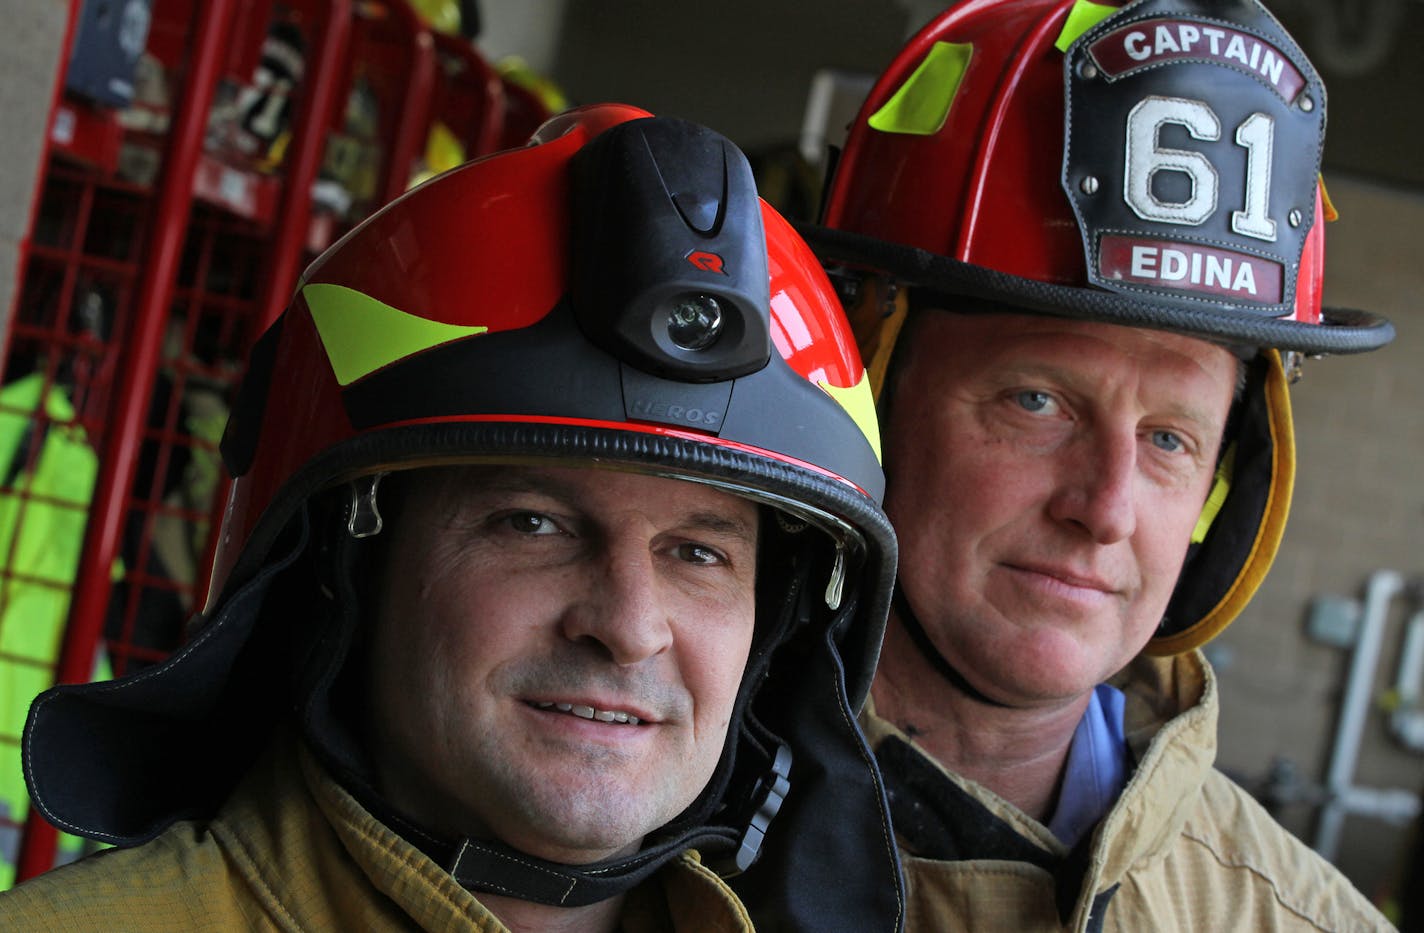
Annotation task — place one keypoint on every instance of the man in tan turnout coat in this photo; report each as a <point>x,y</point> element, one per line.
<point>1082,245</point>
<point>538,588</point>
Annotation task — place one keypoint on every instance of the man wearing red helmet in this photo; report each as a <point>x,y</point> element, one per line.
<point>1077,239</point>
<point>551,582</point>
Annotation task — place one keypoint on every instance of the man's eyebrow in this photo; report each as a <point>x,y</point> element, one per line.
<point>494,479</point>
<point>498,478</point>
<point>1189,410</point>
<point>718,523</point>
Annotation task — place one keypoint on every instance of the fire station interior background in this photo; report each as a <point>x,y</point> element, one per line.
<point>1320,679</point>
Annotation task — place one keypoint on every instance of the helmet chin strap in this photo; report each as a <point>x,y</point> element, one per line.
<point>492,866</point>
<point>485,865</point>
<point>930,653</point>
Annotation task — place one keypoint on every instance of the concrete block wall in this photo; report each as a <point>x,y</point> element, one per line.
<point>1358,508</point>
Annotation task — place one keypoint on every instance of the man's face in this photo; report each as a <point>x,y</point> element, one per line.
<point>516,603</point>
<point>1045,476</point>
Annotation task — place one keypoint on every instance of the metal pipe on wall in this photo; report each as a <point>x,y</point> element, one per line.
<point>1407,720</point>
<point>1344,797</point>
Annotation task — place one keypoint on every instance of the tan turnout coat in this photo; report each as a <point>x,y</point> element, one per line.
<point>1183,849</point>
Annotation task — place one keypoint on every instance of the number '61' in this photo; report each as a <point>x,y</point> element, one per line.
<point>1146,157</point>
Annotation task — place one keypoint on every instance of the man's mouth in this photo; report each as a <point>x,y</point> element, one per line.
<point>1067,577</point>
<point>589,712</point>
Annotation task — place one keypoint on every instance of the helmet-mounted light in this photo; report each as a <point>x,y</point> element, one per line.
<point>669,262</point>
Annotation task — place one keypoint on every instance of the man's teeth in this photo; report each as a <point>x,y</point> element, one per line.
<point>588,712</point>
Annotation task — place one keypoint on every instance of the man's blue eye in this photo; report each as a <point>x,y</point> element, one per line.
<point>1033,400</point>
<point>1167,441</point>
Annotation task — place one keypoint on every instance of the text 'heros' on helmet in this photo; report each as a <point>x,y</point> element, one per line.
<point>1150,164</point>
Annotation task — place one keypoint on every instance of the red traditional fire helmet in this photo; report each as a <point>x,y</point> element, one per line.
<point>1152,164</point>
<point>613,294</point>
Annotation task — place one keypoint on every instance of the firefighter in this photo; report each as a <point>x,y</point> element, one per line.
<point>551,581</point>
<point>1082,243</point>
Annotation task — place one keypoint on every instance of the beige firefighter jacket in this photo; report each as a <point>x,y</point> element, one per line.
<point>1183,848</point>
<point>293,851</point>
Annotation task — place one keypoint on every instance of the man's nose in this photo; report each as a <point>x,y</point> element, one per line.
<point>1097,486</point>
<point>623,610</point>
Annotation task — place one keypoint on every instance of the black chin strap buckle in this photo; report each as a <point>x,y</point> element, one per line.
<point>769,794</point>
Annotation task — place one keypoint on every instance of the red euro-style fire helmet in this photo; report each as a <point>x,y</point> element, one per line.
<point>613,291</point>
<point>1150,164</point>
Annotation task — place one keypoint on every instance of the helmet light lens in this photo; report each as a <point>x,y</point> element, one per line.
<point>695,321</point>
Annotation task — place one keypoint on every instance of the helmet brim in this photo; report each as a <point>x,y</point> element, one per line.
<point>1341,330</point>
